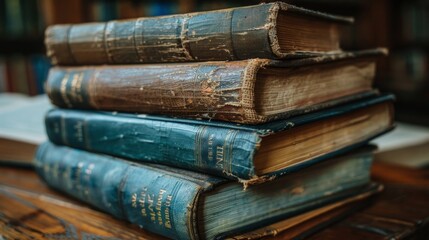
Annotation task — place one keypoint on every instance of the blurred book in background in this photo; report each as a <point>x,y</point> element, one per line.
<point>22,127</point>
<point>407,145</point>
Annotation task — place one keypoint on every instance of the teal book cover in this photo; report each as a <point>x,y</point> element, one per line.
<point>250,153</point>
<point>180,204</point>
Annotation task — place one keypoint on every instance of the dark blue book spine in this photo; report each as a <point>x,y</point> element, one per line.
<point>217,150</point>
<point>151,198</point>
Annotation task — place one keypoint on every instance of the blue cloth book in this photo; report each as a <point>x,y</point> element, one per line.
<point>250,153</point>
<point>181,204</point>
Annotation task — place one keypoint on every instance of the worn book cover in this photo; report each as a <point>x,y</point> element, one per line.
<point>268,30</point>
<point>181,204</point>
<point>249,91</point>
<point>34,200</point>
<point>251,153</point>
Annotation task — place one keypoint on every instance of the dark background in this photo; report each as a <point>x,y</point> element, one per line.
<point>400,25</point>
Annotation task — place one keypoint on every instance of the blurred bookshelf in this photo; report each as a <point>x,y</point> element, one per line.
<point>400,25</point>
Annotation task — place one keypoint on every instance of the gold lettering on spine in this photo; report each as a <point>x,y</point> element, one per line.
<point>219,156</point>
<point>79,97</point>
<point>87,178</point>
<point>158,206</point>
<point>63,90</point>
<point>78,127</point>
<point>76,85</point>
<point>142,202</point>
<point>167,211</point>
<point>210,147</point>
<point>150,206</point>
<point>77,176</point>
<point>134,200</point>
<point>73,90</point>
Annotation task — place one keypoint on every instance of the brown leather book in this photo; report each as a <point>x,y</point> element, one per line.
<point>271,30</point>
<point>248,91</point>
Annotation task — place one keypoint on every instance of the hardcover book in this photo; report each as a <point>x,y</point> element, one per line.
<point>269,30</point>
<point>186,205</point>
<point>24,190</point>
<point>248,91</point>
<point>22,127</point>
<point>251,153</point>
<point>308,223</point>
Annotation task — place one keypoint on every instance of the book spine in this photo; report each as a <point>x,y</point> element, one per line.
<point>158,202</point>
<point>214,90</point>
<point>230,34</point>
<point>216,150</point>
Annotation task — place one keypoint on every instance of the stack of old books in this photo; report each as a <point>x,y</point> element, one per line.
<point>223,122</point>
